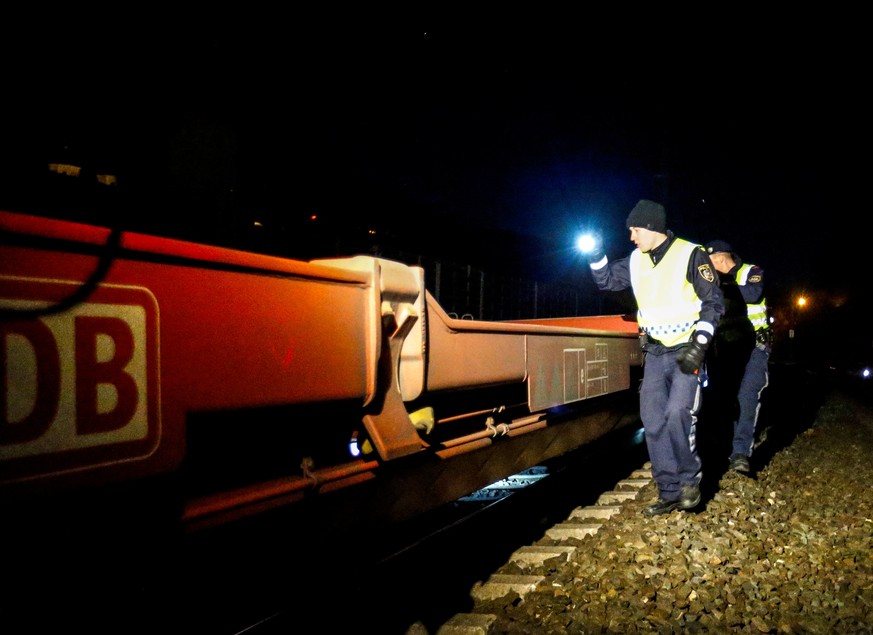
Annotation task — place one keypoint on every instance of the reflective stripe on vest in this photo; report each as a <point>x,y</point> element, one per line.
<point>757,312</point>
<point>667,304</point>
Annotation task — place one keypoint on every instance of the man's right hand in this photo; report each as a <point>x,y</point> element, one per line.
<point>596,255</point>
<point>691,357</point>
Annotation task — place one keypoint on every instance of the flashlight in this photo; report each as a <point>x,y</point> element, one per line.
<point>586,243</point>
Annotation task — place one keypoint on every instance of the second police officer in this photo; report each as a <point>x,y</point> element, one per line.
<point>752,376</point>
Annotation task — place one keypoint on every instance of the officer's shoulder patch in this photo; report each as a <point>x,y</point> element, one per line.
<point>756,278</point>
<point>706,272</point>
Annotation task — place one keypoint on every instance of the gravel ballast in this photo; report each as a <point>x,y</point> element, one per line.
<point>787,549</point>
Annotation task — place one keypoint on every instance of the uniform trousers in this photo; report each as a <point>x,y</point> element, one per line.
<point>755,380</point>
<point>669,403</point>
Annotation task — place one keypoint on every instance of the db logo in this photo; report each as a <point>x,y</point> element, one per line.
<point>78,388</point>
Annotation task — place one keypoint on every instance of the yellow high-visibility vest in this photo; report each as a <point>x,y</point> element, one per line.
<point>667,303</point>
<point>758,311</point>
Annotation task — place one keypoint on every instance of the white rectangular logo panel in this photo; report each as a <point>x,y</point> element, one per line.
<point>79,387</point>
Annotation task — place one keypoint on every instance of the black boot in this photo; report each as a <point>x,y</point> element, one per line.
<point>690,497</point>
<point>740,463</point>
<point>661,507</point>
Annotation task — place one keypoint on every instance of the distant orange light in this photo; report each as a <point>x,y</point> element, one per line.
<point>65,168</point>
<point>313,217</point>
<point>801,301</point>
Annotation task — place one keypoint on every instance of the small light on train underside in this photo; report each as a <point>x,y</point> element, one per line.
<point>354,449</point>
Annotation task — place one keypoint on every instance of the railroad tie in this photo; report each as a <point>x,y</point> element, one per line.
<point>537,555</point>
<point>595,511</point>
<point>468,624</point>
<point>643,472</point>
<point>634,483</point>
<point>616,496</point>
<point>562,531</point>
<point>500,584</point>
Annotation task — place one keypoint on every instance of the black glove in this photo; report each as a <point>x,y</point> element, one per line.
<point>691,357</point>
<point>595,255</point>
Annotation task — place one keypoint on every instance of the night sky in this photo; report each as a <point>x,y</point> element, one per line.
<point>542,124</point>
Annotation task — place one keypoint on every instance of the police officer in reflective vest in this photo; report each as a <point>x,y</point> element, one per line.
<point>679,304</point>
<point>755,375</point>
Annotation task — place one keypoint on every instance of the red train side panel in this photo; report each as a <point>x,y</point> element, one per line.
<point>244,377</point>
<point>102,390</point>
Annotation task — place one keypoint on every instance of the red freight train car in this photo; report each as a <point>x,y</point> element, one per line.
<point>182,386</point>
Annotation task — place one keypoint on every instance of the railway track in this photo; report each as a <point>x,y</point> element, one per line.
<point>425,575</point>
<point>433,584</point>
<point>582,521</point>
<point>422,576</point>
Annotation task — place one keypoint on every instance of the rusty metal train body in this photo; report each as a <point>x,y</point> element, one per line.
<point>195,385</point>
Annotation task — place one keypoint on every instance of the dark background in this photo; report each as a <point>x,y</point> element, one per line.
<point>485,136</point>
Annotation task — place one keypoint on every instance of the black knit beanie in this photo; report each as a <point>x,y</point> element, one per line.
<point>648,215</point>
